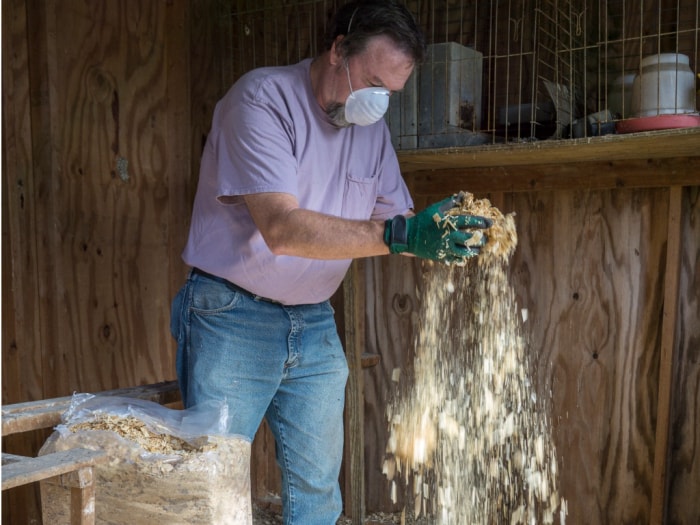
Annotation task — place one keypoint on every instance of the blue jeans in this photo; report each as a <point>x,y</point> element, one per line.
<point>284,363</point>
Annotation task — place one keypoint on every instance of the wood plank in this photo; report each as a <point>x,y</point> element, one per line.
<point>592,175</point>
<point>683,470</point>
<point>667,358</point>
<point>33,415</point>
<point>181,152</point>
<point>587,271</point>
<point>29,470</point>
<point>650,145</point>
<point>82,500</point>
<point>8,458</point>
<point>21,303</point>
<point>354,298</point>
<point>393,285</point>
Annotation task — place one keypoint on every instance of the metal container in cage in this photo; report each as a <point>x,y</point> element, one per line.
<point>449,99</point>
<point>402,115</point>
<point>440,104</point>
<point>666,85</point>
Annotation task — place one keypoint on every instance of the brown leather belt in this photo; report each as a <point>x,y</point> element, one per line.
<point>233,286</point>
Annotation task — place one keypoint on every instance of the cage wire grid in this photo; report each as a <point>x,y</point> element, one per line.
<point>498,71</point>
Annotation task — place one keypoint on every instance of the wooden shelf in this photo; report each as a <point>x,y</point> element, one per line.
<point>639,160</point>
<point>649,145</point>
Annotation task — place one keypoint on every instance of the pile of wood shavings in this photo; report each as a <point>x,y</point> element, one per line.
<point>154,478</point>
<point>137,431</point>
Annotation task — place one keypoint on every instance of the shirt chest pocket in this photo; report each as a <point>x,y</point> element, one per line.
<point>359,196</point>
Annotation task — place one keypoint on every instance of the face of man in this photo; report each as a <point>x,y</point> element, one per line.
<point>381,64</point>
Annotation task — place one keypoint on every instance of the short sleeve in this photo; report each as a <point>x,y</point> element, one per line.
<point>254,144</point>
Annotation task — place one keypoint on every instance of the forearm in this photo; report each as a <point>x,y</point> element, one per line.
<point>318,236</point>
<point>291,230</point>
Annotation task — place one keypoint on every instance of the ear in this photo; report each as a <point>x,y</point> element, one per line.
<point>336,56</point>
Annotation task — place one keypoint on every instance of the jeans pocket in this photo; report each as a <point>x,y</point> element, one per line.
<point>211,297</point>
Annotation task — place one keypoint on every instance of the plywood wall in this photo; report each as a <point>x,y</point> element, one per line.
<point>96,196</point>
<point>106,107</point>
<point>97,165</point>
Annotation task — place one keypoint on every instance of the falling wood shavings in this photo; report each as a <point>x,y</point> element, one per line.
<point>466,431</point>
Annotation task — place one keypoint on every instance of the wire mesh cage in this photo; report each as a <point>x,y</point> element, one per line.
<point>510,71</point>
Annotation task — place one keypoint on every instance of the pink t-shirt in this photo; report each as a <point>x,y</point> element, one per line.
<point>269,134</point>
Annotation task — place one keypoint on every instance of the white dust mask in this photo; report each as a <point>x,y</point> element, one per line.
<point>365,106</point>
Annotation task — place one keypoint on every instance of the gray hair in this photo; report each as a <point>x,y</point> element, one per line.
<point>360,20</point>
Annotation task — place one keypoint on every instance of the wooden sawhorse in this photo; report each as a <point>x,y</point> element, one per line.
<point>74,466</point>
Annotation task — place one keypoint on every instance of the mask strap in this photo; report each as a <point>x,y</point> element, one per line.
<point>352,16</point>
<point>347,70</point>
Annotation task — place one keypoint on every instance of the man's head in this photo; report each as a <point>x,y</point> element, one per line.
<point>357,22</point>
<point>371,44</point>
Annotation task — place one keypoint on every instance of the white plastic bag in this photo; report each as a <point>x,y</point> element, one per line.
<point>165,466</point>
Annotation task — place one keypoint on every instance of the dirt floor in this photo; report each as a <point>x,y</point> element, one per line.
<point>271,514</point>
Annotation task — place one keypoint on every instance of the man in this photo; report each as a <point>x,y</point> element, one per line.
<point>298,177</point>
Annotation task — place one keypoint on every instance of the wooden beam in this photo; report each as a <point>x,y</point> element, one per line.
<point>652,145</point>
<point>33,415</point>
<point>354,307</point>
<point>28,470</point>
<point>591,175</point>
<point>82,499</point>
<point>668,350</point>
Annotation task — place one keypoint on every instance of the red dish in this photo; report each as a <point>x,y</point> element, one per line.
<point>657,122</point>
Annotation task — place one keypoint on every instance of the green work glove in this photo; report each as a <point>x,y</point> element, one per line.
<point>434,234</point>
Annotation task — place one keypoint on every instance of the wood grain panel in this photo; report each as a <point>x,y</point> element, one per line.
<point>180,139</point>
<point>211,74</point>
<point>640,173</point>
<point>667,355</point>
<point>392,305</point>
<point>353,474</point>
<point>683,507</point>
<point>105,198</point>
<point>21,338</point>
<point>591,264</point>
<point>21,303</point>
<point>287,33</point>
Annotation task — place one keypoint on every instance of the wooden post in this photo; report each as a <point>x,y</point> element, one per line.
<point>668,351</point>
<point>354,300</point>
<point>82,498</point>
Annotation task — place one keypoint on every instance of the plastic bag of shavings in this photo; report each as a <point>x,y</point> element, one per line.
<point>165,466</point>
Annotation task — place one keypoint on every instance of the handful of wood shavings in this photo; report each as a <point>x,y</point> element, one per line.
<point>502,235</point>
